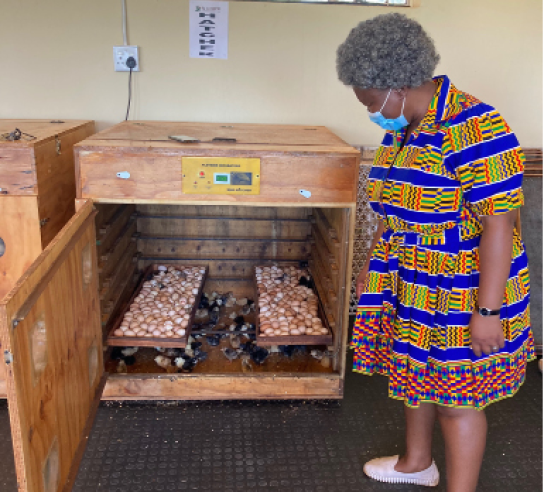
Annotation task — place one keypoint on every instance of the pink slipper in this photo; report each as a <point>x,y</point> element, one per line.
<point>382,469</point>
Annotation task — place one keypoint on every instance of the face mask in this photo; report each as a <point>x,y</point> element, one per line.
<point>394,124</point>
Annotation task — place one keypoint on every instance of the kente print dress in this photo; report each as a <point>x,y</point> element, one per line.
<point>412,321</point>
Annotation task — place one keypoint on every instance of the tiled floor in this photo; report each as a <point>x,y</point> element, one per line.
<point>284,446</point>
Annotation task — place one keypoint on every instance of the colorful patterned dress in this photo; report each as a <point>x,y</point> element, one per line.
<point>412,322</point>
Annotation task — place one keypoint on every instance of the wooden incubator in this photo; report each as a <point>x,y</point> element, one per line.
<point>204,261</point>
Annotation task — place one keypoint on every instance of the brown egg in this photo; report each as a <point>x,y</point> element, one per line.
<point>295,332</point>
<point>129,333</point>
<point>275,324</point>
<point>269,331</point>
<point>308,323</point>
<point>324,331</point>
<point>302,329</point>
<point>184,323</point>
<point>140,317</point>
<point>118,333</point>
<point>169,334</point>
<point>156,333</point>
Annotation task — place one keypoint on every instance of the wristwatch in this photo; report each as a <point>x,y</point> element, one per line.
<point>487,312</point>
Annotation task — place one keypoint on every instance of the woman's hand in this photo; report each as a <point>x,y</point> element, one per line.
<point>361,279</point>
<point>486,334</point>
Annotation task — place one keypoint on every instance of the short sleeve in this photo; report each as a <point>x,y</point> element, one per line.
<point>489,162</point>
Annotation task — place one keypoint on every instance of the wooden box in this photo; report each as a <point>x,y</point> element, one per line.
<point>37,189</point>
<point>132,174</point>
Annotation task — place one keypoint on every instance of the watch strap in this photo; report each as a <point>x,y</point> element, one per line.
<point>487,312</point>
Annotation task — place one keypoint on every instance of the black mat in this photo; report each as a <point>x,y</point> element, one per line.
<point>284,446</point>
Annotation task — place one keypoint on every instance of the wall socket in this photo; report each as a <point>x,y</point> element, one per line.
<point>121,54</point>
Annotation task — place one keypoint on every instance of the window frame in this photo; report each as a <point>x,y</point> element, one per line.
<point>360,3</point>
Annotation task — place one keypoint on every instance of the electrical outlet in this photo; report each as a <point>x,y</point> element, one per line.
<point>121,54</point>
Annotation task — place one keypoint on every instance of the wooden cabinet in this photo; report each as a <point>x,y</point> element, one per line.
<point>54,322</point>
<point>37,189</point>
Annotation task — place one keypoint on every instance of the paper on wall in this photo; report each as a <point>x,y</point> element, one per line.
<point>208,29</point>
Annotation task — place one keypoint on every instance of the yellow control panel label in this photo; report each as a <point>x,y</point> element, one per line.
<point>220,175</point>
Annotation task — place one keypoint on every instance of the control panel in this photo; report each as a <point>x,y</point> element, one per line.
<point>221,176</point>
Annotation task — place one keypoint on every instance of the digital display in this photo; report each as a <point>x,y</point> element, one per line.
<point>222,178</point>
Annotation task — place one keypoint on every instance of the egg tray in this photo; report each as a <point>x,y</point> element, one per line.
<point>177,342</point>
<point>267,340</point>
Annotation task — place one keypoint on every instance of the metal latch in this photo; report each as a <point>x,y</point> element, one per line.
<point>57,143</point>
<point>8,357</point>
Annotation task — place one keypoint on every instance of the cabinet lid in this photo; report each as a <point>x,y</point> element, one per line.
<point>52,351</point>
<point>36,132</point>
<point>218,136</point>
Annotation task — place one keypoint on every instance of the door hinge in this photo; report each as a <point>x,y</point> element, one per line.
<point>57,144</point>
<point>8,357</point>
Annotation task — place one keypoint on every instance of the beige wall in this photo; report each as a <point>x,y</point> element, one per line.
<point>56,62</point>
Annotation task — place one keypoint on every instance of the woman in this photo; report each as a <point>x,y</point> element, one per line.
<point>444,296</point>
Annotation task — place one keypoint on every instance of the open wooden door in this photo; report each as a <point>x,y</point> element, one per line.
<point>51,338</point>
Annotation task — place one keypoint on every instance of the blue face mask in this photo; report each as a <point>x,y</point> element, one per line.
<point>393,124</point>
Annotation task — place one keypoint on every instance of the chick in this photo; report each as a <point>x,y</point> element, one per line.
<point>235,341</point>
<point>213,340</point>
<point>121,367</point>
<point>246,365</point>
<point>230,353</point>
<point>259,355</point>
<point>317,354</point>
<point>163,362</point>
<point>180,362</point>
<point>128,351</point>
<point>174,352</point>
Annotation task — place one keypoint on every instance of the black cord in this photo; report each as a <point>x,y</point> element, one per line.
<point>129,94</point>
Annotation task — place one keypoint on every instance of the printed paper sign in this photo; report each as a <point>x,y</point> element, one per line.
<point>208,29</point>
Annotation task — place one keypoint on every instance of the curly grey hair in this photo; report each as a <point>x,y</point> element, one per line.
<point>388,51</point>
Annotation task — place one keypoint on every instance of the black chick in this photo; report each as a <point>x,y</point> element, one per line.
<point>129,360</point>
<point>204,302</point>
<point>189,364</point>
<point>213,340</point>
<point>248,347</point>
<point>259,355</point>
<point>200,356</point>
<point>303,281</point>
<point>116,353</point>
<point>239,320</point>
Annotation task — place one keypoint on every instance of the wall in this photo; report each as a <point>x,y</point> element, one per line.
<point>56,62</point>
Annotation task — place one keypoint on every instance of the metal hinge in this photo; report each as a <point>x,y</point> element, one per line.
<point>8,357</point>
<point>57,143</point>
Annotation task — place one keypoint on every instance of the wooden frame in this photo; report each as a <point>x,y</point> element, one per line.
<point>266,341</point>
<point>114,341</point>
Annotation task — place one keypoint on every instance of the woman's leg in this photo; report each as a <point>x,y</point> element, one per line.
<point>464,430</point>
<point>418,438</point>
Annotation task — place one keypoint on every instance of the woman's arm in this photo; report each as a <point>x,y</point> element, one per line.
<point>364,271</point>
<point>495,251</point>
